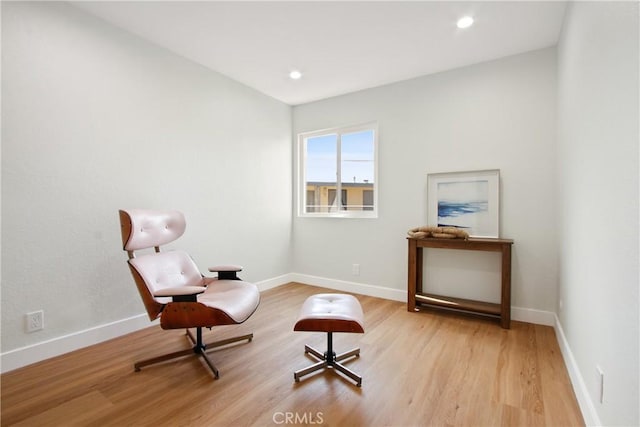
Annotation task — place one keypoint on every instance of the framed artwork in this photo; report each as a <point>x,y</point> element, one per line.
<point>467,200</point>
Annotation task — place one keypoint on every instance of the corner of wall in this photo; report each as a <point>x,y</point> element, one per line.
<point>587,407</point>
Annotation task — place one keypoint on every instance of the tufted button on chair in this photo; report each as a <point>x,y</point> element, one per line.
<point>173,289</point>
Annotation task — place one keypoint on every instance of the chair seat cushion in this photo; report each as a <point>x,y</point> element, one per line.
<point>331,313</point>
<point>179,291</point>
<point>236,298</point>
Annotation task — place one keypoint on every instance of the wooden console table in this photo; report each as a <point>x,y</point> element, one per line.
<point>417,298</point>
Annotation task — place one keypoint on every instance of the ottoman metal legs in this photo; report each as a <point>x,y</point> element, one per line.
<point>329,359</point>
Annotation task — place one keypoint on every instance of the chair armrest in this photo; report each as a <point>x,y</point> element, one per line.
<point>181,293</point>
<point>218,268</point>
<point>226,272</point>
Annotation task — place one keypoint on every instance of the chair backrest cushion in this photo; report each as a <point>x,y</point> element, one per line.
<point>145,228</point>
<point>171,269</point>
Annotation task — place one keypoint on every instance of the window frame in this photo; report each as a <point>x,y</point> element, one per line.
<point>301,180</point>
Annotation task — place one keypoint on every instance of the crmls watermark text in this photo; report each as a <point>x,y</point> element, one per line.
<point>298,418</point>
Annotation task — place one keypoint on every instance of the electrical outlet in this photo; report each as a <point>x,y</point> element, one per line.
<point>355,269</point>
<point>35,321</point>
<point>600,374</point>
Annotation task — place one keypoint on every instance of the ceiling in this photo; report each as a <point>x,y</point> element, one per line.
<point>339,46</point>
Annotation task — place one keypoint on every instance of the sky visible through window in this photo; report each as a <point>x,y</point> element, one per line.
<point>357,158</point>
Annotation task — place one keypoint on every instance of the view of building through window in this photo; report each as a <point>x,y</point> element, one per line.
<point>339,171</point>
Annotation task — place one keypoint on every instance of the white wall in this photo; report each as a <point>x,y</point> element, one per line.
<point>94,120</point>
<point>598,203</point>
<point>495,115</point>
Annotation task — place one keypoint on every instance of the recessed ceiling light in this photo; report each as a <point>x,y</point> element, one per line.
<point>295,74</point>
<point>465,22</point>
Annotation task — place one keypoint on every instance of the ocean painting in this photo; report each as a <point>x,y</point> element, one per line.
<point>464,204</point>
<point>468,200</point>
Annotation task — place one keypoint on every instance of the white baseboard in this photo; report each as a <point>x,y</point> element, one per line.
<point>27,355</point>
<point>352,287</point>
<point>530,315</point>
<point>274,283</point>
<point>585,402</point>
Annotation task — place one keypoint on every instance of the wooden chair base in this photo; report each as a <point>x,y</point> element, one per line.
<point>329,360</point>
<point>199,349</point>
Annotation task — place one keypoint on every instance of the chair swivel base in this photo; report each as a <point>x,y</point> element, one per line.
<point>329,360</point>
<point>199,349</point>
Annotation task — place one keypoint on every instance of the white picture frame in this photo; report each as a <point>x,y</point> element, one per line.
<point>467,200</point>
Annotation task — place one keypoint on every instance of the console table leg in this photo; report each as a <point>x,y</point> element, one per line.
<point>413,270</point>
<point>505,303</point>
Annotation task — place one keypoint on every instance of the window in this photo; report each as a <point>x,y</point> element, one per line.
<point>338,172</point>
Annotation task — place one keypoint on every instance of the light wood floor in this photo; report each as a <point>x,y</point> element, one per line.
<point>418,369</point>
